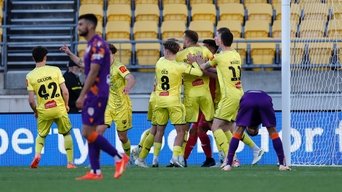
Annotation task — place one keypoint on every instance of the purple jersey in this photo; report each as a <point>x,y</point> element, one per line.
<point>98,53</point>
<point>255,108</point>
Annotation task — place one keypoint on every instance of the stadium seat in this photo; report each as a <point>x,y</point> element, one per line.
<point>260,11</point>
<point>254,1</point>
<point>192,2</point>
<point>312,28</point>
<point>222,2</point>
<point>203,12</point>
<point>81,49</point>
<point>126,2</point>
<point>277,8</point>
<point>113,32</point>
<point>156,2</point>
<point>172,29</point>
<point>205,29</point>
<point>335,28</point>
<point>316,11</point>
<point>339,52</point>
<point>297,52</point>
<point>120,12</point>
<point>124,52</point>
<point>96,2</point>
<point>336,10</point>
<point>295,12</point>
<point>234,26</point>
<point>94,9</point>
<point>147,53</point>
<point>147,12</point>
<point>174,2</point>
<point>263,53</point>
<point>257,29</point>
<point>232,11</point>
<point>320,53</point>
<point>276,29</point>
<point>276,2</point>
<point>145,30</point>
<point>175,12</point>
<point>241,49</point>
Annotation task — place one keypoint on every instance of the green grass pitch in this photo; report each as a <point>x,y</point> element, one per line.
<point>243,179</point>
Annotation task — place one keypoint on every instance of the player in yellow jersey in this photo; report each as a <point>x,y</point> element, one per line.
<point>47,83</point>
<point>228,66</point>
<point>169,76</point>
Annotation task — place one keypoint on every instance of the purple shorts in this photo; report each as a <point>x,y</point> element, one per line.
<point>93,110</point>
<point>256,108</point>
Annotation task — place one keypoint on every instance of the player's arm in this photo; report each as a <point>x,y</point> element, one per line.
<point>210,72</point>
<point>65,94</point>
<point>130,83</point>
<point>72,56</point>
<point>194,69</point>
<point>32,103</point>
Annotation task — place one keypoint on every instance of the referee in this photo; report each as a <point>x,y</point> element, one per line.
<point>74,85</point>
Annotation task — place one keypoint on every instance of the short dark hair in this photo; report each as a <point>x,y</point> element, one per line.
<point>89,17</point>
<point>192,35</point>
<point>211,43</point>
<point>38,53</point>
<point>112,48</point>
<point>226,36</point>
<point>172,46</point>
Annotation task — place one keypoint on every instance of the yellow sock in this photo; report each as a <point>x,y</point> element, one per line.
<point>40,141</point>
<point>229,135</point>
<point>157,147</point>
<point>177,150</point>
<point>144,135</point>
<point>184,142</point>
<point>222,140</point>
<point>127,147</point>
<point>146,146</point>
<point>247,140</point>
<point>69,148</point>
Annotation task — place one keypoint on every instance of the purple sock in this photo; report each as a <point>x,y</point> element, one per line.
<point>278,147</point>
<point>234,143</point>
<point>104,145</point>
<point>94,157</point>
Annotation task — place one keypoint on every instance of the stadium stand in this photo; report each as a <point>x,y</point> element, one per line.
<point>232,11</point>
<point>178,12</point>
<point>203,12</point>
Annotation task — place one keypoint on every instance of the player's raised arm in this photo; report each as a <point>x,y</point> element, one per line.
<point>72,56</point>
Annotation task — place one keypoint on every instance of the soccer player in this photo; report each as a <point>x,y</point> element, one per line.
<point>119,107</point>
<point>47,83</point>
<point>169,76</point>
<point>93,98</point>
<point>255,108</point>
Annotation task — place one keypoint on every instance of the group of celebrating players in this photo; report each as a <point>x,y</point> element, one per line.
<point>213,100</point>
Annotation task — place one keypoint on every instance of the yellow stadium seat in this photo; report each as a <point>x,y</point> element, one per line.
<point>147,53</point>
<point>0,33</point>
<point>192,2</point>
<point>277,8</point>
<point>257,29</point>
<point>175,12</point>
<point>312,28</point>
<point>297,52</point>
<point>146,2</point>
<point>276,29</point>
<point>305,2</point>
<point>276,1</point>
<point>339,51</point>
<point>295,12</point>
<point>147,12</point>
<point>173,29</point>
<point>97,2</point>
<point>145,30</point>
<point>203,12</point>
<point>263,53</point>
<point>127,2</point>
<point>205,29</point>
<point>233,26</point>
<point>222,2</point>
<point>81,49</point>
<point>337,11</point>
<point>316,11</point>
<point>260,11</point>
<point>335,29</point>
<point>118,30</point>
<point>94,9</point>
<point>320,53</point>
<point>232,11</point>
<point>99,31</point>
<point>241,49</point>
<point>254,1</point>
<point>174,2</point>
<point>120,12</point>
<point>124,52</point>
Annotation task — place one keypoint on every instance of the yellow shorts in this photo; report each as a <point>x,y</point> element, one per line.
<point>227,109</point>
<point>122,118</point>
<point>151,106</point>
<point>176,114</point>
<point>63,125</point>
<point>194,104</point>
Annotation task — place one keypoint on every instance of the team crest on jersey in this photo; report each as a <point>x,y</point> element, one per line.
<point>123,69</point>
<point>124,121</point>
<point>91,111</point>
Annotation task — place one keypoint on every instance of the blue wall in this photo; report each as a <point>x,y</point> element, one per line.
<point>18,132</point>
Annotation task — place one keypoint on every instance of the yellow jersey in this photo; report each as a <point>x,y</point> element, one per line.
<point>195,86</point>
<point>169,76</point>
<point>228,66</point>
<point>45,83</point>
<point>117,99</point>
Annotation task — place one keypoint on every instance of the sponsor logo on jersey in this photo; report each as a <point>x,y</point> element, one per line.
<point>197,82</point>
<point>164,93</point>
<point>50,104</point>
<point>123,69</point>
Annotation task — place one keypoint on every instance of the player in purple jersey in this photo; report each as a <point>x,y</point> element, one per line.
<point>256,108</point>
<point>93,98</point>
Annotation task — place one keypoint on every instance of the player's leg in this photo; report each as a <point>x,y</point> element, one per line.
<point>43,131</point>
<point>234,143</point>
<point>206,146</point>
<point>191,140</point>
<point>177,118</point>
<point>108,119</point>
<point>278,147</point>
<point>146,147</point>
